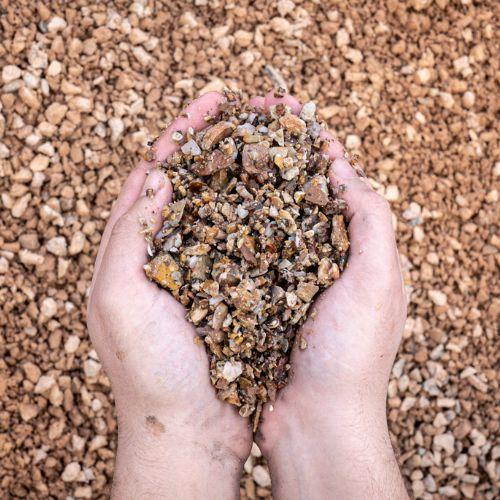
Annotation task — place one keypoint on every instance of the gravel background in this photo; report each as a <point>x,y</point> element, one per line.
<point>410,86</point>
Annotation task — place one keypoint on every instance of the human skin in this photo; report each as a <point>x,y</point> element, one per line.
<point>175,438</point>
<point>326,435</point>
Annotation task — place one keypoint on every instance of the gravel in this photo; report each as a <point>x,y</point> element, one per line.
<point>253,235</point>
<point>421,104</point>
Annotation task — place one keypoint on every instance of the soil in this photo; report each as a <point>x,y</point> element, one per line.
<point>411,87</point>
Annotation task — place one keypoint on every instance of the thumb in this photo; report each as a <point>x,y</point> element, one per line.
<point>126,252</point>
<point>373,251</point>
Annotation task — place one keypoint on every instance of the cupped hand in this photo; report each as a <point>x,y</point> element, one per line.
<point>159,375</point>
<point>333,409</point>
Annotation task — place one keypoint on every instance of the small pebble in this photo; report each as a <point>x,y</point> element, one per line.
<point>91,368</point>
<point>438,297</point>
<point>392,193</point>
<point>57,246</point>
<point>10,73</point>
<point>71,472</point>
<point>261,476</point>
<point>45,382</point>
<point>71,345</point>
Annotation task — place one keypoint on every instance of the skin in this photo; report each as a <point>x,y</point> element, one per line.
<point>326,435</point>
<point>175,439</point>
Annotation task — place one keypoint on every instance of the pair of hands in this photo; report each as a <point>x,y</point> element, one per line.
<point>326,435</point>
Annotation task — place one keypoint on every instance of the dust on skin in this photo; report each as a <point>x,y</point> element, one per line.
<point>154,425</point>
<point>120,355</point>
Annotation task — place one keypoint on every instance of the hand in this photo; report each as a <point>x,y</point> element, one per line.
<point>175,438</point>
<point>326,435</point>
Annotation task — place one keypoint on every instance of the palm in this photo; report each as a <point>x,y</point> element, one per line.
<point>172,363</point>
<point>153,353</point>
<point>140,332</point>
<point>347,343</point>
<point>159,347</point>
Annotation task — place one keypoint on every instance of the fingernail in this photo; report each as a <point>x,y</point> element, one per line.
<point>155,181</point>
<point>336,149</point>
<point>361,172</point>
<point>342,169</point>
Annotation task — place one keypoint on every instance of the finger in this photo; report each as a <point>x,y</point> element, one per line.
<point>258,102</point>
<point>372,240</point>
<point>128,195</point>
<point>271,99</point>
<point>193,116</point>
<point>126,252</point>
<point>355,191</point>
<point>335,148</point>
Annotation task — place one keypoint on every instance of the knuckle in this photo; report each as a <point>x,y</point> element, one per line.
<point>378,202</point>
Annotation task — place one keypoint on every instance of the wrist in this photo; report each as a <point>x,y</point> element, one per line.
<point>160,456</point>
<point>335,451</point>
<point>341,416</point>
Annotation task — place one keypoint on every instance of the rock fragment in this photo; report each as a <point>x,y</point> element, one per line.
<point>252,237</point>
<point>214,134</point>
<point>57,246</point>
<point>71,472</point>
<point>10,73</point>
<point>56,112</point>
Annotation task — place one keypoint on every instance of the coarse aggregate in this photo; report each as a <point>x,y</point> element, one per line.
<point>411,87</point>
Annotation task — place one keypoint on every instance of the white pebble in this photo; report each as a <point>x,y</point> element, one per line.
<point>45,382</point>
<point>255,452</point>
<point>21,205</point>
<point>354,55</point>
<point>96,404</point>
<point>37,58</point>
<point>308,111</point>
<point>392,193</point>
<point>117,127</point>
<point>285,7</point>
<point>91,368</point>
<point>444,442</point>
<point>77,243</point>
<point>352,142</point>
<point>468,99</point>
<point>48,307</point>
<point>71,472</point>
<point>413,211</point>
<point>438,297</point>
<point>56,24</point>
<point>418,234</point>
<point>71,345</point>
<point>423,76</point>
<point>4,265</point>
<point>4,150</point>
<point>232,370</point>
<point>261,476</point>
<point>10,73</point>
<point>446,100</point>
<point>191,148</point>
<point>54,69</point>
<point>342,38</point>
<point>39,163</point>
<point>57,246</point>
